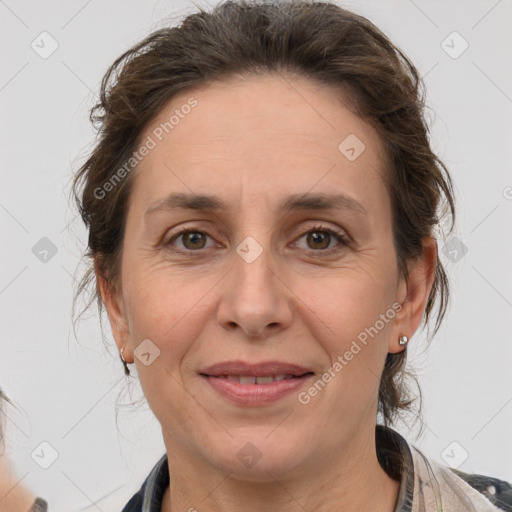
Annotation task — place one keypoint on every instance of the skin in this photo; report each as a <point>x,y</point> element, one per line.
<point>13,495</point>
<point>252,142</point>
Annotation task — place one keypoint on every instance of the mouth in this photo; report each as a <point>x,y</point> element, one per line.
<point>255,384</point>
<point>251,379</point>
<point>265,371</point>
<point>256,391</point>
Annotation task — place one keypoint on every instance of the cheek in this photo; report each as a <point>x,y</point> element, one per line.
<point>347,305</point>
<point>351,318</point>
<point>167,310</point>
<point>168,316</point>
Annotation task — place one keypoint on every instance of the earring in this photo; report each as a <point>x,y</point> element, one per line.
<point>126,369</point>
<point>403,340</point>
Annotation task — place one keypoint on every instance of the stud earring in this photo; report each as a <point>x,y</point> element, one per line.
<point>403,340</point>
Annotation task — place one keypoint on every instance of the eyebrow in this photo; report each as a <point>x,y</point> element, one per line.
<point>294,202</point>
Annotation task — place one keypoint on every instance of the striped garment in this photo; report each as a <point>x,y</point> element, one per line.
<point>425,485</point>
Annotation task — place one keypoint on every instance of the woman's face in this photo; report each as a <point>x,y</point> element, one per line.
<point>256,280</point>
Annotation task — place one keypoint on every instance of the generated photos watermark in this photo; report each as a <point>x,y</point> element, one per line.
<point>304,397</point>
<point>150,142</point>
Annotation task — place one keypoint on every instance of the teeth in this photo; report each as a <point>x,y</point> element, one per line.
<point>265,380</point>
<point>248,379</point>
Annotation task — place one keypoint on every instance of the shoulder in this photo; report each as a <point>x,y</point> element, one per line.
<point>460,489</point>
<point>498,492</point>
<point>424,480</point>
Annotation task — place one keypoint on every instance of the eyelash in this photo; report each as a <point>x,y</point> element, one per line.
<point>341,238</point>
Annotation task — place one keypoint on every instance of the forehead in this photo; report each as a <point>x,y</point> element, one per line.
<point>265,136</point>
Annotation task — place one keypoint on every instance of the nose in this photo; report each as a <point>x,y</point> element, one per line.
<point>255,296</point>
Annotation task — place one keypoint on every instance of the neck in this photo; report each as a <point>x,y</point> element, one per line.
<point>348,478</point>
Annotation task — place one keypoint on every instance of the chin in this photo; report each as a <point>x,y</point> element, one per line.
<point>257,457</point>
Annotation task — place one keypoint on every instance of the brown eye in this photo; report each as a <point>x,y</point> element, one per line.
<point>318,239</point>
<point>190,240</point>
<point>193,240</point>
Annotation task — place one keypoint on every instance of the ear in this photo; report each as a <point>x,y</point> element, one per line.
<point>413,294</point>
<point>116,312</point>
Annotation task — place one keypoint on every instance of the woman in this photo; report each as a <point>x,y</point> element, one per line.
<point>257,132</point>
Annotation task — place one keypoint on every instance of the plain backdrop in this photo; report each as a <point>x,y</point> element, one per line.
<point>66,389</point>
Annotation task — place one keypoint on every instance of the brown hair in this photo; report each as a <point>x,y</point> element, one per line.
<point>316,40</point>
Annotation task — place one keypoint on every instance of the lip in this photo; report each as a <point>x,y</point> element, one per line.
<point>262,369</point>
<point>253,395</point>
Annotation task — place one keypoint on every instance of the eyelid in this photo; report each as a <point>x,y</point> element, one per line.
<point>322,227</point>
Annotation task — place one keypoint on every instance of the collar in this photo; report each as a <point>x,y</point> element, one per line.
<point>422,481</point>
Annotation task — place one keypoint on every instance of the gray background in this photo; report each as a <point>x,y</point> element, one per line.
<point>66,390</point>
